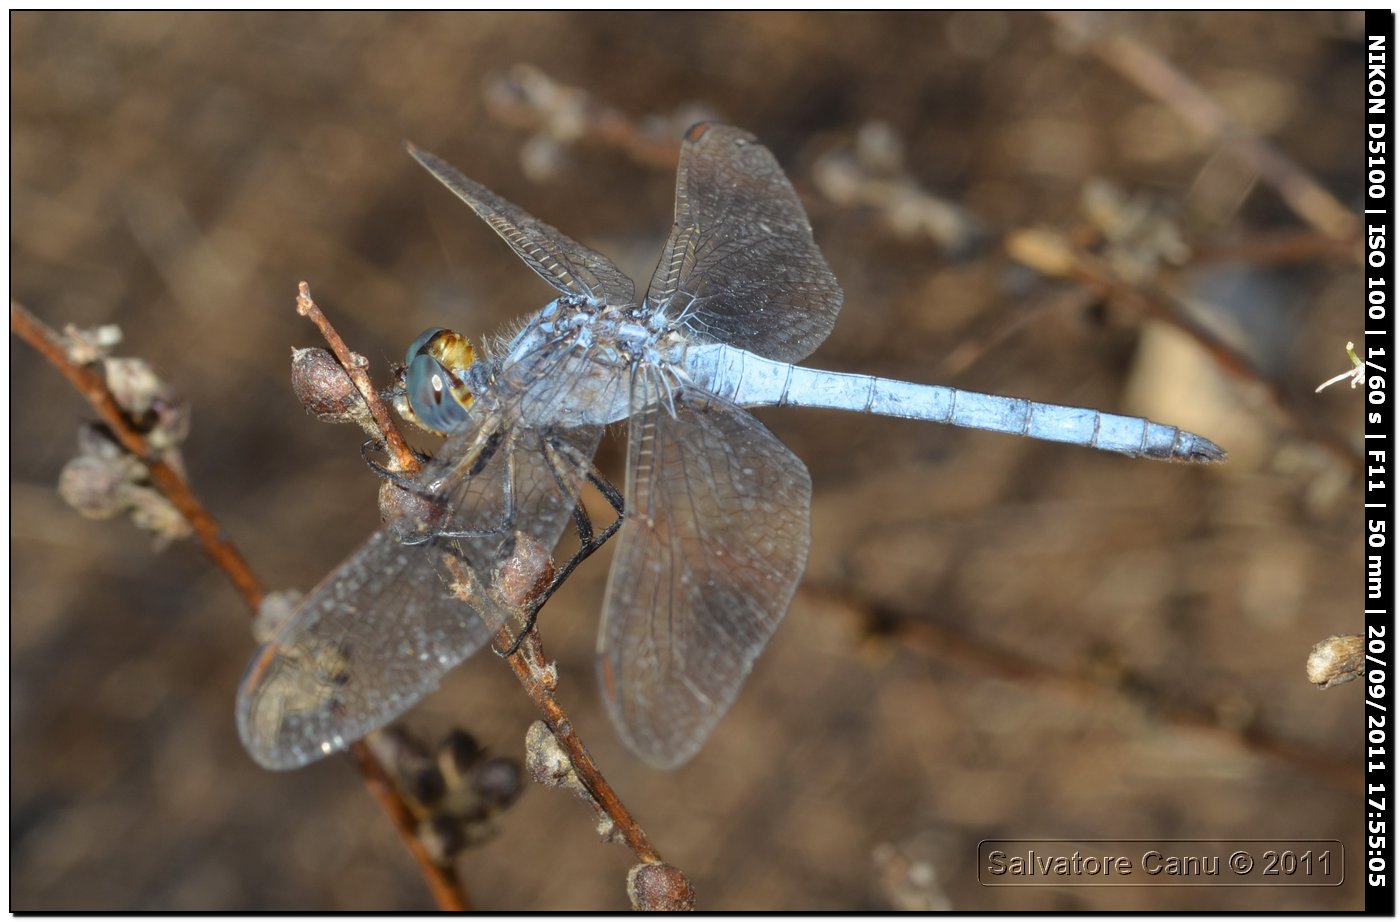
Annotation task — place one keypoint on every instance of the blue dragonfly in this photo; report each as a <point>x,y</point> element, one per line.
<point>714,532</point>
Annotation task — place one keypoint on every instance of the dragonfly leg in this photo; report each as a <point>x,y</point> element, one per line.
<point>507,514</point>
<point>419,488</point>
<point>397,478</point>
<point>588,543</point>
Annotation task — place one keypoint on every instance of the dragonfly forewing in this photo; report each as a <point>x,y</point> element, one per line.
<point>557,258</point>
<point>712,548</point>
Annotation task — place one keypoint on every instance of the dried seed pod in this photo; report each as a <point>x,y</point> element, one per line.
<point>657,887</point>
<point>458,752</point>
<point>87,346</point>
<point>324,388</point>
<point>443,837</point>
<point>275,610</point>
<point>425,784</point>
<point>1335,660</point>
<point>104,481</point>
<point>525,573</point>
<point>411,514</point>
<point>497,782</point>
<point>96,440</point>
<point>152,511</point>
<point>134,385</point>
<point>170,425</point>
<point>547,762</point>
<point>94,486</point>
<point>408,761</point>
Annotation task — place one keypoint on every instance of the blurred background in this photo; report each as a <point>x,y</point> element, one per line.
<point>995,638</point>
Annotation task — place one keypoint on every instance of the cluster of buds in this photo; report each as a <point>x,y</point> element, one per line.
<point>104,480</point>
<point>453,789</point>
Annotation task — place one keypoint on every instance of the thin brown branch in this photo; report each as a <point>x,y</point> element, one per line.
<point>446,889</point>
<point>976,344</point>
<point>529,665</point>
<point>1280,249</point>
<point>93,386</point>
<point>928,638</point>
<point>354,366</point>
<point>1159,79</point>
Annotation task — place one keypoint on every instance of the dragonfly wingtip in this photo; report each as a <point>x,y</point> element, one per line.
<point>416,152</point>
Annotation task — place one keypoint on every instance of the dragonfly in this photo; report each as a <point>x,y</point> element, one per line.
<point>713,523</point>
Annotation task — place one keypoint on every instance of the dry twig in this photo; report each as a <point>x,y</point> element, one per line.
<point>91,384</point>
<point>354,365</point>
<point>537,676</point>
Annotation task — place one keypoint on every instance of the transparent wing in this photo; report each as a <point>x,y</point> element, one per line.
<point>561,261</point>
<point>373,638</point>
<point>740,266</point>
<point>383,628</point>
<point>709,555</point>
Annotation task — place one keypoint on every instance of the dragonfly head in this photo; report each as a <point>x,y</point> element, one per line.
<point>435,380</point>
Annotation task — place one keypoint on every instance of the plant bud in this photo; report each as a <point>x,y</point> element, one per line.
<point>656,887</point>
<point>497,782</point>
<point>443,837</point>
<point>94,486</point>
<point>324,388</point>
<point>458,752</point>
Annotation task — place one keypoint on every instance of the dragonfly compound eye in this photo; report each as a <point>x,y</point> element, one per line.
<point>421,343</point>
<point>434,381</point>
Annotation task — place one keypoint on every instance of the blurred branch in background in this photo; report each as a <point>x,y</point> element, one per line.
<point>92,385</point>
<point>558,115</point>
<point>1157,77</point>
<point>930,639</point>
<point>442,880</point>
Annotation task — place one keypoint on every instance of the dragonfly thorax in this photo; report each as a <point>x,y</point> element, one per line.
<point>571,363</point>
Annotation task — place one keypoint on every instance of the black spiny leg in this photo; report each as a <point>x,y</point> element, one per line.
<point>588,543</point>
<point>397,478</point>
